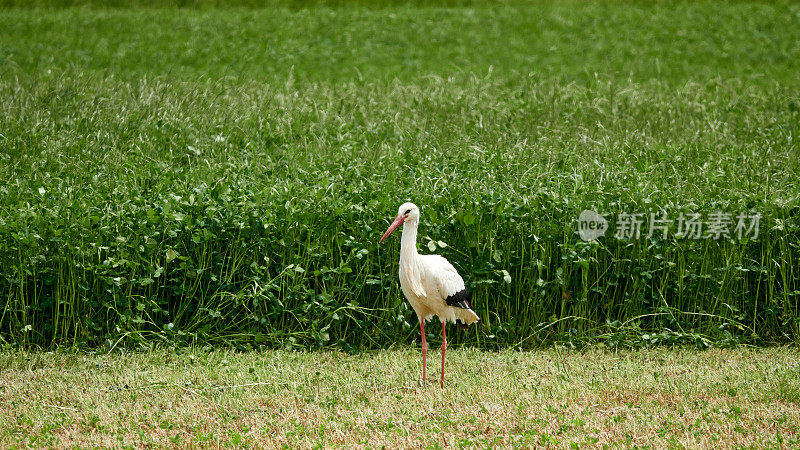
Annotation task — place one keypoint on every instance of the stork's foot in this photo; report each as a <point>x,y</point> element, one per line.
<point>424,361</point>
<point>424,351</point>
<point>444,348</point>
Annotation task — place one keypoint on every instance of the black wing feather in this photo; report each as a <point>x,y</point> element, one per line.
<point>460,299</point>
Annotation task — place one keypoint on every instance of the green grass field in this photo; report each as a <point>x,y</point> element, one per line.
<point>644,398</point>
<point>221,175</point>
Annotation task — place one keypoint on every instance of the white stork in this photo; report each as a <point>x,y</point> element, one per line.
<point>430,283</point>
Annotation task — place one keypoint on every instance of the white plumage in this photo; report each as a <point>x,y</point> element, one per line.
<point>429,282</point>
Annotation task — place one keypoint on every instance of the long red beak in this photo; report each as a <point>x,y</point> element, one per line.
<point>397,222</point>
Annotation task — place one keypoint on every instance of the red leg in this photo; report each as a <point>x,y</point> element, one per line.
<point>424,348</point>
<point>444,347</point>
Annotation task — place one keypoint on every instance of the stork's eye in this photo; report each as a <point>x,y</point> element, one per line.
<point>407,211</point>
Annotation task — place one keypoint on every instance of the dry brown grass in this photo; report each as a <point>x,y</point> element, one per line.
<point>659,398</point>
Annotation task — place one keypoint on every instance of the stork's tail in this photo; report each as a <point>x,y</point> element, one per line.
<point>465,318</point>
<point>462,309</point>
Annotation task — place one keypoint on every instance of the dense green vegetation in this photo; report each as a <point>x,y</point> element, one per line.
<point>222,176</point>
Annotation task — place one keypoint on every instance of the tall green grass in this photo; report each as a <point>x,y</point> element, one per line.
<point>222,176</point>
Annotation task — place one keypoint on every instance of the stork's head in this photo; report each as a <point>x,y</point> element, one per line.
<point>408,212</point>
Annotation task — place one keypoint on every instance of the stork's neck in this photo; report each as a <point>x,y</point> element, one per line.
<point>408,243</point>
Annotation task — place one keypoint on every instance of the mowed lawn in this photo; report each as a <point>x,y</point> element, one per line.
<point>647,398</point>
